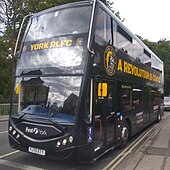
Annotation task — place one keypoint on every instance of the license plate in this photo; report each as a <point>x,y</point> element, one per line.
<point>36,151</point>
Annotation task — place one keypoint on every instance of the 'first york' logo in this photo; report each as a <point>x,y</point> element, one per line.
<point>35,131</point>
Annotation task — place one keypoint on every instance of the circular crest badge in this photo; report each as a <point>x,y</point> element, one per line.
<point>79,42</point>
<point>110,61</point>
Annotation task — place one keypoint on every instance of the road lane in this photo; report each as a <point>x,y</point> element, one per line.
<point>9,154</point>
<point>3,132</point>
<point>21,159</point>
<point>14,165</point>
<point>128,150</point>
<point>5,148</point>
<point>3,126</point>
<point>28,160</point>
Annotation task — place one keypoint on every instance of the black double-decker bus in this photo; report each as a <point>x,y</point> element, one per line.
<point>84,84</point>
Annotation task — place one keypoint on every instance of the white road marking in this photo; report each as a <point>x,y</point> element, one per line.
<point>116,161</point>
<point>3,132</point>
<point>18,165</point>
<point>8,154</point>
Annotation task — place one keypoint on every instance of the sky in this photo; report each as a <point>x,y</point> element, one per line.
<point>149,19</point>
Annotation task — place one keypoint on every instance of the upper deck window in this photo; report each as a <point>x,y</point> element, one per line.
<point>137,50</point>
<point>124,41</point>
<point>147,53</point>
<point>103,25</point>
<point>60,22</point>
<point>55,42</point>
<point>147,58</point>
<point>124,33</point>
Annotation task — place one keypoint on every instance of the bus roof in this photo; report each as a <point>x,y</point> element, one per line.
<point>128,31</point>
<point>86,2</point>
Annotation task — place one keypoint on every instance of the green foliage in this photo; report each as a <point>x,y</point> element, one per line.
<point>110,4</point>
<point>5,70</point>
<point>11,15</point>
<point>37,5</point>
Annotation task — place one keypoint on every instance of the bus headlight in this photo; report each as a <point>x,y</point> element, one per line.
<point>70,139</point>
<point>64,141</point>
<point>17,136</point>
<point>13,132</point>
<point>58,144</point>
<point>10,128</point>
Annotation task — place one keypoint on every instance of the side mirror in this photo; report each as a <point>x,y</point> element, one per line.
<point>102,89</point>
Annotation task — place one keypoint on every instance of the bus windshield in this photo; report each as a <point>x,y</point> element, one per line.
<point>54,98</point>
<point>56,39</point>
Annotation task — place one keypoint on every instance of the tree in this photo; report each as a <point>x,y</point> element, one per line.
<point>5,67</point>
<point>109,4</point>
<point>11,15</point>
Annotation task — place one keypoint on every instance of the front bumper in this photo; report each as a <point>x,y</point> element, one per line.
<point>49,148</point>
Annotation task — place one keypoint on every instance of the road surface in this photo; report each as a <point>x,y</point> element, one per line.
<point>11,159</point>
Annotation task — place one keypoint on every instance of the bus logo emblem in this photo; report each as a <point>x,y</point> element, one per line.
<point>110,61</point>
<point>35,131</point>
<point>79,42</point>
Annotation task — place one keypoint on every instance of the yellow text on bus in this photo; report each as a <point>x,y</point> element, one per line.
<point>52,44</point>
<point>131,69</point>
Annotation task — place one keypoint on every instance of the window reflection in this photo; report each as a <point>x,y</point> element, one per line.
<point>57,96</point>
<point>47,43</point>
<point>137,51</point>
<point>63,90</point>
<point>125,100</point>
<point>137,99</point>
<point>131,98</point>
<point>146,60</point>
<point>103,25</point>
<point>65,21</point>
<point>66,59</point>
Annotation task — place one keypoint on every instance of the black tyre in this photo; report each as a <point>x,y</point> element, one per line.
<point>158,117</point>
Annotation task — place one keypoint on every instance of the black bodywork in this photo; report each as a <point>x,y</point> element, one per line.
<point>42,131</point>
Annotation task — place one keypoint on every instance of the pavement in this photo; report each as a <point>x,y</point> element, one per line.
<point>157,155</point>
<point>4,118</point>
<point>154,154</point>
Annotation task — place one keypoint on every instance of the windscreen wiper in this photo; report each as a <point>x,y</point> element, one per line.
<point>32,72</point>
<point>62,128</point>
<point>18,119</point>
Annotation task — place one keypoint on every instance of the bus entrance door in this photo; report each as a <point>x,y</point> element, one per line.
<point>104,129</point>
<point>146,104</point>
